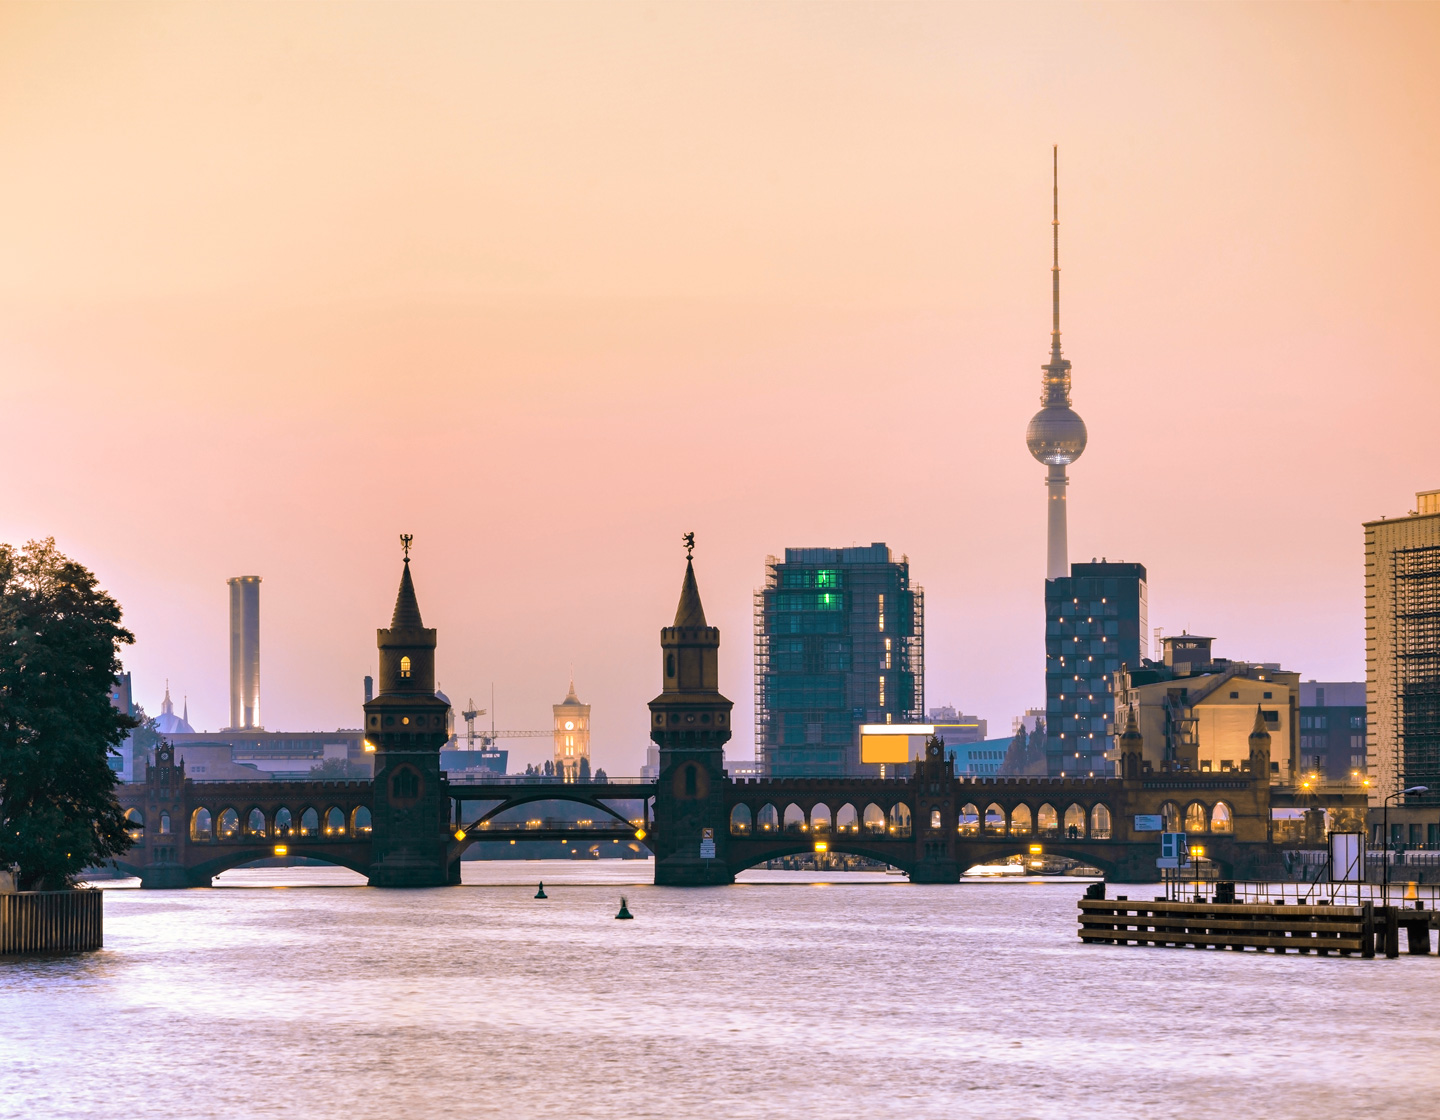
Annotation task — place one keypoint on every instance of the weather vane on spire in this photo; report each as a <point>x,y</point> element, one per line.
<point>689,539</point>
<point>405,539</point>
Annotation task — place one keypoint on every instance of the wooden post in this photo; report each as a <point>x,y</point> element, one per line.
<point>1367,930</point>
<point>1392,932</point>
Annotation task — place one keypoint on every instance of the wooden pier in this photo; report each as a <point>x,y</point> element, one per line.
<point>1362,930</point>
<point>52,921</point>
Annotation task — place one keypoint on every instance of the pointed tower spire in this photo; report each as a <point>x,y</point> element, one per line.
<point>690,611</point>
<point>407,608</point>
<point>166,706</point>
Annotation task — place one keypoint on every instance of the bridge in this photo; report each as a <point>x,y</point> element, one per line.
<point>408,827</point>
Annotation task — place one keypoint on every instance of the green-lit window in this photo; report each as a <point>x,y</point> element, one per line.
<point>827,579</point>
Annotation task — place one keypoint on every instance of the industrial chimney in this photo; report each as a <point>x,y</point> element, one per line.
<point>244,652</point>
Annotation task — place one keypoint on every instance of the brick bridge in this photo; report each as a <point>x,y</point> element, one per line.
<point>404,828</point>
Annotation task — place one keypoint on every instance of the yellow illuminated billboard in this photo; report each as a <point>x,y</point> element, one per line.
<point>893,743</point>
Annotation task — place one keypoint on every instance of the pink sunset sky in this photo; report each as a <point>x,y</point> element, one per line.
<point>548,285</point>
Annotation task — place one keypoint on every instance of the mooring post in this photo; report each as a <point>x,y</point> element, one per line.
<point>1392,932</point>
<point>1367,930</point>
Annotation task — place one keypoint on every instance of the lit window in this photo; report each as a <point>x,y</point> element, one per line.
<point>882,691</point>
<point>404,667</point>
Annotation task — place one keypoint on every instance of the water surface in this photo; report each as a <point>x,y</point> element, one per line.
<point>853,995</point>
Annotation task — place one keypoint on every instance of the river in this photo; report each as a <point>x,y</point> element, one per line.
<point>290,993</point>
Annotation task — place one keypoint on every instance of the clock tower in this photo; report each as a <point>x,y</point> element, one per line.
<point>572,736</point>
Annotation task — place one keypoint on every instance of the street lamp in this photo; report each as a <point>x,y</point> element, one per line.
<point>1385,871</point>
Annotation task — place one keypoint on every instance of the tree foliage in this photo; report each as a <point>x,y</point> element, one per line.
<point>60,636</point>
<point>340,770</point>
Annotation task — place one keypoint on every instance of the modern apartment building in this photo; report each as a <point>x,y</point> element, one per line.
<point>1402,653</point>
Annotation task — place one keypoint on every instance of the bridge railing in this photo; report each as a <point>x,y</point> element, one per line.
<point>461,780</point>
<point>552,824</point>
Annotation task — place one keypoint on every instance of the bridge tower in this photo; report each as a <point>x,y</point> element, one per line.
<point>690,723</point>
<point>406,724</point>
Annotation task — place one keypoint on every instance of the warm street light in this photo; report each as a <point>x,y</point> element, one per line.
<point>1385,827</point>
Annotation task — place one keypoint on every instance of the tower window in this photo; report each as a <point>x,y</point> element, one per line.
<point>404,667</point>
<point>670,665</point>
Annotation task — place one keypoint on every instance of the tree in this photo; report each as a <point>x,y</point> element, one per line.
<point>340,770</point>
<point>144,740</point>
<point>60,637</point>
<point>584,769</point>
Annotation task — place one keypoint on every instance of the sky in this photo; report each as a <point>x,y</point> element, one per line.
<point>549,285</point>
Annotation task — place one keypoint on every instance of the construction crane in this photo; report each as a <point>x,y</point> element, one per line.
<point>487,740</point>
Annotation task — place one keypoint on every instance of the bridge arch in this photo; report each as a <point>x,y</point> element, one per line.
<point>820,819</point>
<point>1047,822</point>
<point>309,821</point>
<point>968,823</point>
<point>255,823</point>
<point>1075,822</point>
<point>742,822</point>
<point>201,826</point>
<point>847,819</point>
<point>1222,818</point>
<point>1100,825</point>
<point>994,823</point>
<point>874,819</point>
<point>575,792</point>
<point>768,818</point>
<point>360,821</point>
<point>284,822</point>
<point>851,844</point>
<point>794,820</point>
<point>1022,821</point>
<point>1170,818</point>
<point>900,823</point>
<point>1197,817</point>
<point>227,825</point>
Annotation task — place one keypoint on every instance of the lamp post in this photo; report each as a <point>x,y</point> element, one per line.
<point>1385,826</point>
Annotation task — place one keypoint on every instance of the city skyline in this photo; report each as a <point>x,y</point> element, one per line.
<point>549,325</point>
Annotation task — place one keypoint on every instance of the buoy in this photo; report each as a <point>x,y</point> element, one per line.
<point>541,892</point>
<point>1411,894</point>
<point>624,910</point>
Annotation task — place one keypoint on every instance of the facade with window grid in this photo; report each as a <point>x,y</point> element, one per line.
<point>1332,730</point>
<point>1095,620</point>
<point>839,642</point>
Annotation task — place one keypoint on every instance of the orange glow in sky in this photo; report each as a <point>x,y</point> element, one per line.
<point>549,285</point>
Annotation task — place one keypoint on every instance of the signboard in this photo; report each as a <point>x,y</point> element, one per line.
<point>893,743</point>
<point>1174,852</point>
<point>707,843</point>
<point>1347,857</point>
<point>1148,823</point>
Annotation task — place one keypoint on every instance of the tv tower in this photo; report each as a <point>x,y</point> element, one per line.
<point>1056,434</point>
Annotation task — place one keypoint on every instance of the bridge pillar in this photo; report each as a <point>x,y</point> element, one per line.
<point>690,723</point>
<point>405,727</point>
<point>936,801</point>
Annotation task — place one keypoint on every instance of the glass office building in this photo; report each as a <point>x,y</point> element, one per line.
<point>839,642</point>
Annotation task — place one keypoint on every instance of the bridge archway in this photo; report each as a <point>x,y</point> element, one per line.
<point>849,844</point>
<point>741,822</point>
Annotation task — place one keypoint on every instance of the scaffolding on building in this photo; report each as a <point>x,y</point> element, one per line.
<point>1415,605</point>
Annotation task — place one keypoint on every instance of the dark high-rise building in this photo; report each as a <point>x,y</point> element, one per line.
<point>1332,730</point>
<point>839,642</point>
<point>1095,620</point>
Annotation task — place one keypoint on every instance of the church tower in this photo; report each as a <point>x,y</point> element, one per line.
<point>405,725</point>
<point>690,724</point>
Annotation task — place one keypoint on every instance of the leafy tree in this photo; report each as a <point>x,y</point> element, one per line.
<point>584,769</point>
<point>339,770</point>
<point>144,741</point>
<point>60,636</point>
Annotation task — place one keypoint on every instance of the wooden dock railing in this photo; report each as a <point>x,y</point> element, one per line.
<point>52,921</point>
<point>1210,925</point>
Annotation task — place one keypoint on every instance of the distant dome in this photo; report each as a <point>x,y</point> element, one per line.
<point>167,722</point>
<point>1055,435</point>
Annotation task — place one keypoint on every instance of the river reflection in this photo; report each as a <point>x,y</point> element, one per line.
<point>280,995</point>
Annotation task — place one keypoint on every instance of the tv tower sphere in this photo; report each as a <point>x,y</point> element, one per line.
<point>1056,435</point>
